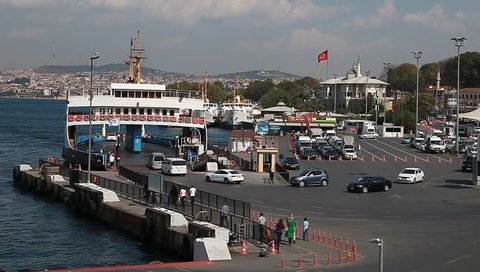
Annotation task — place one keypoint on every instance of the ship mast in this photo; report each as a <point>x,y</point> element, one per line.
<point>135,76</point>
<point>205,89</point>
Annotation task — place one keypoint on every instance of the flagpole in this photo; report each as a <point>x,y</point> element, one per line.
<point>326,75</point>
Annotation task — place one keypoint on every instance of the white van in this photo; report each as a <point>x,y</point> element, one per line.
<point>174,166</point>
<point>155,160</point>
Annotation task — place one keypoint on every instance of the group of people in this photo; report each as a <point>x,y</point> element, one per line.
<point>180,197</point>
<point>287,226</point>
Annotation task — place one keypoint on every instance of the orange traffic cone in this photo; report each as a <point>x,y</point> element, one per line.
<point>244,248</point>
<point>273,249</point>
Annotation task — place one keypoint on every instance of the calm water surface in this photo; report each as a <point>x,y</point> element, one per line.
<point>36,233</point>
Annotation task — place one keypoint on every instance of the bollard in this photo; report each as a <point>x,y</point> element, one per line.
<point>319,236</point>
<point>341,242</point>
<point>450,159</point>
<point>348,256</point>
<point>330,239</point>
<point>354,247</point>
<point>395,158</point>
<point>324,237</point>
<point>299,260</point>
<point>314,264</point>
<point>346,245</point>
<point>384,158</point>
<point>373,158</point>
<point>427,158</point>
<point>335,241</point>
<point>282,262</point>
<point>327,262</point>
<point>313,234</point>
<point>339,257</point>
<point>439,160</point>
<point>405,158</point>
<point>415,158</point>
<point>296,232</point>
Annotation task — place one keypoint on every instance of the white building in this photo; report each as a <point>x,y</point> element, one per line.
<point>353,86</point>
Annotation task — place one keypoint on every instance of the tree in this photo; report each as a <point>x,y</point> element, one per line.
<point>217,92</point>
<point>274,96</point>
<point>257,89</point>
<point>403,77</point>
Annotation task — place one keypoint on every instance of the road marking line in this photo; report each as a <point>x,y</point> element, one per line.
<point>408,153</point>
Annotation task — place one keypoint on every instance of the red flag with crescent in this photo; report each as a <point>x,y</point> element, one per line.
<point>323,56</point>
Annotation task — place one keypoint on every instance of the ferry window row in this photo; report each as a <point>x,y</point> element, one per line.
<point>140,111</point>
<point>152,94</point>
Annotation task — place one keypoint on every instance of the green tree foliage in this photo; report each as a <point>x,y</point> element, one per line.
<point>217,92</point>
<point>275,95</point>
<point>404,113</point>
<point>469,70</point>
<point>403,77</point>
<point>257,89</point>
<point>428,75</point>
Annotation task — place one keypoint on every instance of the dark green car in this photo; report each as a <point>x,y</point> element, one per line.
<point>407,140</point>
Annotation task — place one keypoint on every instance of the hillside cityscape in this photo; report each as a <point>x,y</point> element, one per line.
<point>54,81</point>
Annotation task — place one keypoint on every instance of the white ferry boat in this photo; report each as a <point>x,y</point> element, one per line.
<point>237,113</point>
<point>131,107</point>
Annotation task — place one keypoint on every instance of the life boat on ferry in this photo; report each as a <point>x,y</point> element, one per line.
<point>102,117</point>
<point>71,118</point>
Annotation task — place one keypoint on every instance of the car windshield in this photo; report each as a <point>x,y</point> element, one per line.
<point>309,150</point>
<point>408,171</point>
<point>291,159</point>
<point>178,163</point>
<point>349,151</point>
<point>364,179</point>
<point>304,172</point>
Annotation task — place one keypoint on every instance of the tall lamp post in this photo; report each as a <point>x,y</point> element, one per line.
<point>458,42</point>
<point>379,243</point>
<point>94,57</point>
<point>335,94</point>
<point>366,95</point>
<point>417,55</point>
<point>386,65</point>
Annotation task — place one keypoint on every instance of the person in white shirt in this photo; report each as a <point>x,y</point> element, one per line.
<point>224,215</point>
<point>261,226</point>
<point>305,229</point>
<point>192,193</point>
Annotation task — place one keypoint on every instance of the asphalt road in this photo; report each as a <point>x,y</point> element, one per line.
<point>429,226</point>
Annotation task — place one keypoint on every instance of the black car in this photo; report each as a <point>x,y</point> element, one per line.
<point>467,163</point>
<point>330,154</point>
<point>308,153</point>
<point>370,183</point>
<point>310,177</point>
<point>291,163</point>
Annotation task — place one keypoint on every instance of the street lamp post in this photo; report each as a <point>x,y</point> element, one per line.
<point>94,57</point>
<point>379,243</point>
<point>458,42</point>
<point>335,94</point>
<point>366,95</point>
<point>417,55</point>
<point>386,65</point>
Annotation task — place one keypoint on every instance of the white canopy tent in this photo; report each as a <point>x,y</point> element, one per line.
<point>474,115</point>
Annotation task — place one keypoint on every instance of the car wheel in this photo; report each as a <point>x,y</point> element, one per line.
<point>414,180</point>
<point>324,182</point>
<point>386,188</point>
<point>207,179</point>
<point>301,184</point>
<point>238,182</point>
<point>464,169</point>
<point>364,190</point>
<point>225,180</point>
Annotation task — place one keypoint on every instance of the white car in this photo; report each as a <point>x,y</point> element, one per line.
<point>225,176</point>
<point>349,154</point>
<point>369,136</point>
<point>112,136</point>
<point>411,175</point>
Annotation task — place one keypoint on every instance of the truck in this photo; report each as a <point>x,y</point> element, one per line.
<point>348,141</point>
<point>303,142</point>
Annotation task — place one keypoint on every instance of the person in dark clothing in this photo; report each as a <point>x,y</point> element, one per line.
<point>279,229</point>
<point>173,195</point>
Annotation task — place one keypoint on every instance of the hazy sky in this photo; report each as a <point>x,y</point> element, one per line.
<point>223,36</point>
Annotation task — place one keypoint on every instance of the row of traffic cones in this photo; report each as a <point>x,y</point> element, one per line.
<point>349,257</point>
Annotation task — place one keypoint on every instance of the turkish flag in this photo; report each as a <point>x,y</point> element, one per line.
<point>323,56</point>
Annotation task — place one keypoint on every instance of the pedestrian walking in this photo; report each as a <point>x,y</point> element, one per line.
<point>224,215</point>
<point>183,196</point>
<point>261,226</point>
<point>173,195</point>
<point>192,192</point>
<point>111,159</point>
<point>305,229</point>
<point>291,225</point>
<point>279,229</point>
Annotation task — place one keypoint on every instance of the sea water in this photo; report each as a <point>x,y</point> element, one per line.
<point>36,233</point>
